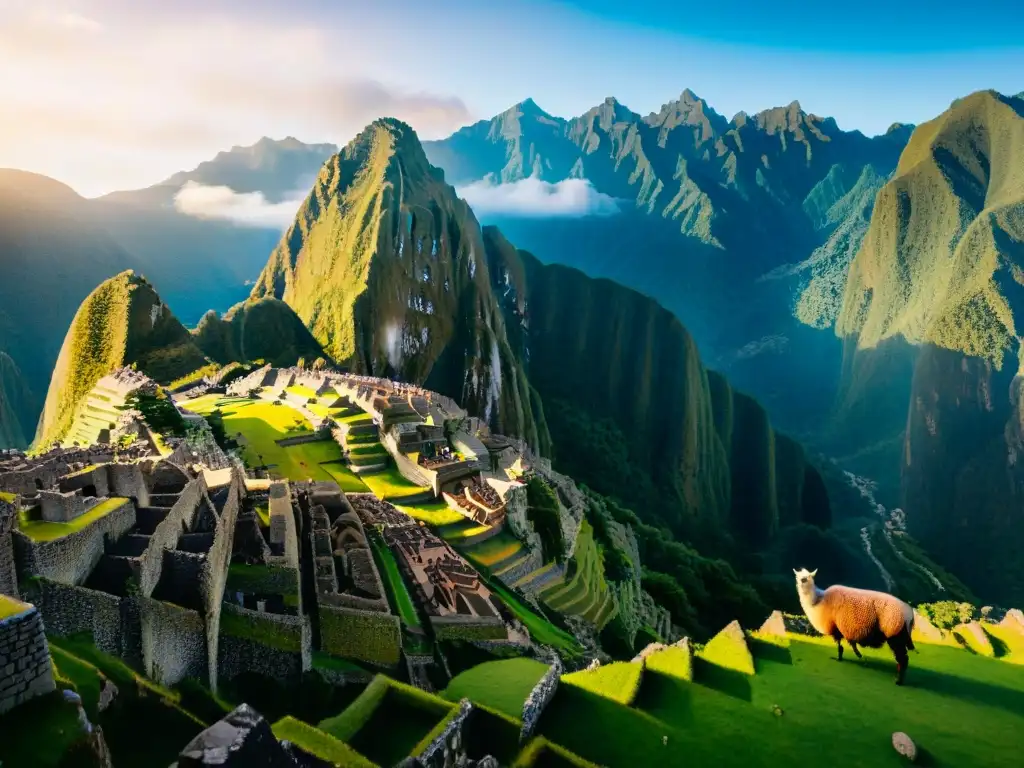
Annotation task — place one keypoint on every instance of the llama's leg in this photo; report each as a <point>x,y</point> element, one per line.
<point>898,645</point>
<point>839,644</point>
<point>856,650</point>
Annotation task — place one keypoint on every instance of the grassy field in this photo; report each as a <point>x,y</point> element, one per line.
<point>618,681</point>
<point>398,593</point>
<point>347,479</point>
<point>495,551</point>
<point>435,513</point>
<point>261,424</point>
<point>390,485</point>
<point>501,685</point>
<point>319,744</point>
<point>541,630</point>
<point>41,530</point>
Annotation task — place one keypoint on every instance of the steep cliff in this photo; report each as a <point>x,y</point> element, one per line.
<point>931,321</point>
<point>634,414</point>
<point>122,322</point>
<point>385,265</point>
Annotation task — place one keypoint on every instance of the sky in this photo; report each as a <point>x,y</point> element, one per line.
<point>120,94</point>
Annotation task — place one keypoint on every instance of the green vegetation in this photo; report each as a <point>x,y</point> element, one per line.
<point>541,752</point>
<point>398,593</point>
<point>388,720</point>
<point>728,649</point>
<point>501,685</point>
<point>370,637</point>
<point>159,412</point>
<point>256,330</point>
<point>618,681</point>
<point>122,322</point>
<point>543,511</point>
<point>302,391</point>
<point>585,593</point>
<point>260,425</point>
<point>194,377</point>
<point>319,744</point>
<point>9,606</point>
<point>672,662</point>
<point>268,579</point>
<point>390,485</point>
<point>347,480</point>
<point>947,614</point>
<point>41,530</point>
<point>495,552</point>
<point>259,629</point>
<point>433,513</point>
<point>541,630</point>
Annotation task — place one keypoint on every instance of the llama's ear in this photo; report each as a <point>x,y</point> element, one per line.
<point>814,572</point>
<point>796,572</point>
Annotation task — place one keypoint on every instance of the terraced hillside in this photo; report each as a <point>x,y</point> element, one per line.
<point>744,699</point>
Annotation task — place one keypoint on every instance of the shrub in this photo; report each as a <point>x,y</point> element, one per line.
<point>947,614</point>
<point>158,411</point>
<point>543,512</point>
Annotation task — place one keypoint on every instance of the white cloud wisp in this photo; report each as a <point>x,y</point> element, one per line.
<point>536,199</point>
<point>246,209</point>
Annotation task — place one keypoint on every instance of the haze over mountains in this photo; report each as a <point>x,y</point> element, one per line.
<point>863,289</point>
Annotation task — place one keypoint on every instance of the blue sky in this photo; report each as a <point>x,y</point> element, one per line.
<point>122,93</point>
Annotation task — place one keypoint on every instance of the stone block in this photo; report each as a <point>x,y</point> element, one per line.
<point>243,738</point>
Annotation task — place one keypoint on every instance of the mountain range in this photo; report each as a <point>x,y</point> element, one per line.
<point>862,288</point>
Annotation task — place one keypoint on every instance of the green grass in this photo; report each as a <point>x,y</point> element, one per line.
<point>346,479</point>
<point>729,649</point>
<point>323,660</point>
<point>10,606</point>
<point>1007,643</point>
<point>618,681</point>
<point>301,391</point>
<point>41,530</point>
<point>39,732</point>
<point>261,424</point>
<point>140,701</point>
<point>501,685</point>
<point>388,720</point>
<point>8,497</point>
<point>390,485</point>
<point>319,744</point>
<point>673,662</point>
<point>398,593</point>
<point>256,579</point>
<point>323,411</point>
<point>355,417</point>
<point>541,753</point>
<point>541,630</point>
<point>375,450</point>
<point>436,513</point>
<point>495,550</point>
<point>586,594</point>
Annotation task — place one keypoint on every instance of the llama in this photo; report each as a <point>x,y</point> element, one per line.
<point>860,616</point>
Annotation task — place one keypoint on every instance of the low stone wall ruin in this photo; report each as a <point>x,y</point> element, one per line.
<point>8,573</point>
<point>450,741</point>
<point>71,558</point>
<point>173,642</point>
<point>112,621</point>
<point>26,671</point>
<point>541,695</point>
<point>167,533</point>
<point>468,627</point>
<point>369,636</point>
<point>272,644</point>
<point>214,573</point>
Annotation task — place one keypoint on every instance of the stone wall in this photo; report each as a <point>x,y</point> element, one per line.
<point>272,644</point>
<point>283,537</point>
<point>71,558</point>
<point>167,532</point>
<point>541,695</point>
<point>173,642</point>
<point>25,669</point>
<point>96,476</point>
<point>111,620</point>
<point>58,507</point>
<point>448,743</point>
<point>369,636</point>
<point>215,571</point>
<point>468,627</point>
<point>8,573</point>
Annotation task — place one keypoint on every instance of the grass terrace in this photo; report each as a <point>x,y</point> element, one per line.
<point>41,732</point>
<point>261,424</point>
<point>42,530</point>
<point>618,681</point>
<point>495,552</point>
<point>586,594</point>
<point>348,480</point>
<point>319,744</point>
<point>398,593</point>
<point>353,417</point>
<point>389,485</point>
<point>435,513</point>
<point>541,630</point>
<point>323,411</point>
<point>388,720</point>
<point>501,685</point>
<point>301,391</point>
<point>9,606</point>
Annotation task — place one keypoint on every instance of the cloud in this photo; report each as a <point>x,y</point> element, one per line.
<point>533,198</point>
<point>247,209</point>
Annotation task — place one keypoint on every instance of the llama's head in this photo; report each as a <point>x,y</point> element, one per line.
<point>805,580</point>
